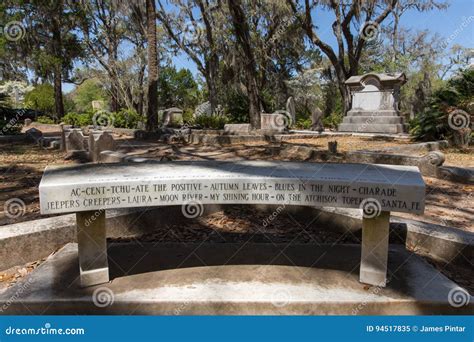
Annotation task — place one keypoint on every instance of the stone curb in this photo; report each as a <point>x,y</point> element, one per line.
<point>25,242</point>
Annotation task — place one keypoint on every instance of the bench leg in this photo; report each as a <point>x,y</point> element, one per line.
<point>373,263</point>
<point>92,244</point>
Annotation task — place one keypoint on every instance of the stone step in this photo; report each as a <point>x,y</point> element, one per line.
<point>389,112</point>
<point>372,128</point>
<point>233,279</point>
<point>373,119</point>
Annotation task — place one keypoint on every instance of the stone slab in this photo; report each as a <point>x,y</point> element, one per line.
<point>237,128</point>
<point>194,183</point>
<point>233,279</point>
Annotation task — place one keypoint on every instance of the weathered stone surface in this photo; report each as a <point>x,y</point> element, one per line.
<point>34,134</point>
<point>92,187</point>
<point>172,117</point>
<point>278,121</point>
<point>249,279</point>
<point>100,141</point>
<point>291,108</point>
<point>296,152</point>
<point>237,128</point>
<point>74,140</point>
<point>316,119</point>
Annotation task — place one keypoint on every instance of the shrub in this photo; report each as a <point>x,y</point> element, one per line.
<point>455,96</point>
<point>236,106</point>
<point>44,119</point>
<point>303,123</point>
<point>127,118</point>
<point>333,120</point>
<point>41,98</point>
<point>78,120</point>
<point>213,122</point>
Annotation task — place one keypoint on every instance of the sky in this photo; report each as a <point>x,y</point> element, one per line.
<point>455,24</point>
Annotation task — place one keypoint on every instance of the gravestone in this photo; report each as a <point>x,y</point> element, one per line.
<point>27,122</point>
<point>375,104</point>
<point>34,134</point>
<point>275,122</point>
<point>74,140</point>
<point>89,190</point>
<point>316,119</point>
<point>64,129</point>
<point>100,141</point>
<point>172,117</point>
<point>98,105</point>
<point>237,128</point>
<point>291,108</point>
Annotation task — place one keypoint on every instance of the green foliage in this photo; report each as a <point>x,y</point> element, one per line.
<point>333,120</point>
<point>127,118</point>
<point>9,127</point>
<point>236,106</point>
<point>44,119</point>
<point>78,120</point>
<point>41,98</point>
<point>303,123</point>
<point>213,122</point>
<point>90,90</point>
<point>177,88</point>
<point>433,123</point>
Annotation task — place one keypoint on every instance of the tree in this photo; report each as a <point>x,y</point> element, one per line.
<point>51,45</point>
<point>176,88</point>
<point>41,98</point>
<point>90,90</point>
<point>241,30</point>
<point>152,110</point>
<point>195,30</point>
<point>349,45</point>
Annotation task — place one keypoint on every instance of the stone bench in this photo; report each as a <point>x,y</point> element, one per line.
<point>90,189</point>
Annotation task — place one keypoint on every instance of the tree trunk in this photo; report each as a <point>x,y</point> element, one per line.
<point>211,82</point>
<point>241,29</point>
<point>58,93</point>
<point>152,108</point>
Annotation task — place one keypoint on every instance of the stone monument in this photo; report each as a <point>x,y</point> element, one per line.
<point>375,99</point>
<point>291,108</point>
<point>172,117</point>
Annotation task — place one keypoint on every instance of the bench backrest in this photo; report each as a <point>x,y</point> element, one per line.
<point>110,186</point>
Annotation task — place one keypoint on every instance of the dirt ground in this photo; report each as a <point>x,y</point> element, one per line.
<point>21,167</point>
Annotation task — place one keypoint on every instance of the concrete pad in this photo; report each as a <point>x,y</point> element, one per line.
<point>224,279</point>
